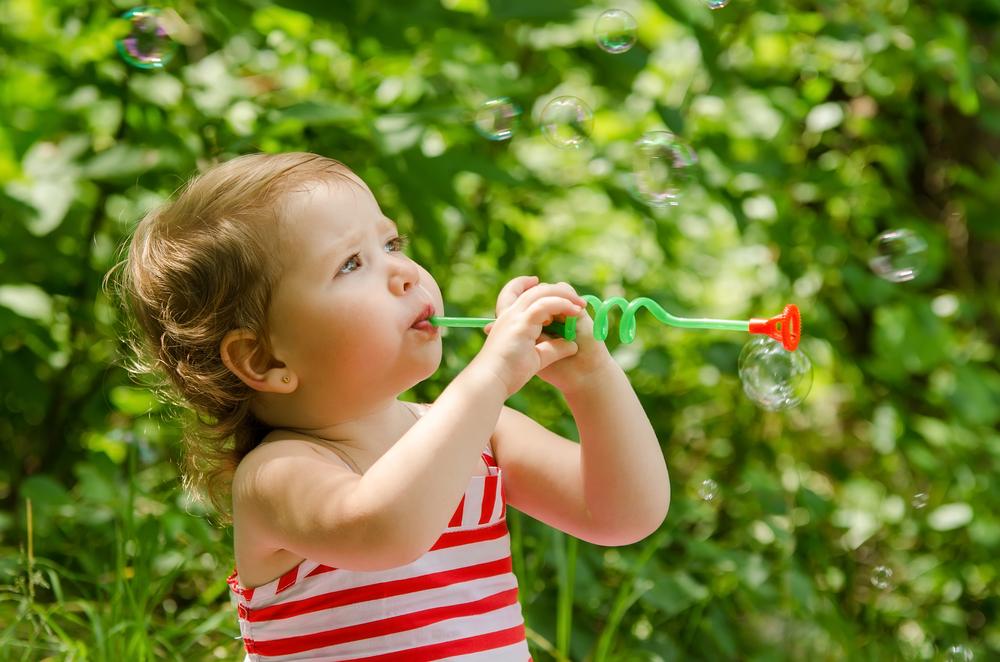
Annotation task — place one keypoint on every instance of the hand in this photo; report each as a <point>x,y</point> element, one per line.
<point>591,355</point>
<point>516,349</point>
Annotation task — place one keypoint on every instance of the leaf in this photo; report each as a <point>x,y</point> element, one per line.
<point>950,516</point>
<point>50,181</point>
<point>28,301</point>
<point>672,593</point>
<point>44,491</point>
<point>824,117</point>
<point>315,113</point>
<point>531,10</point>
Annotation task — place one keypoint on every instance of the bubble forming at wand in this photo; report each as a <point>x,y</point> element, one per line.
<point>786,328</point>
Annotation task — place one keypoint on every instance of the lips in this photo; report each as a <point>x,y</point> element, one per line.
<point>424,314</point>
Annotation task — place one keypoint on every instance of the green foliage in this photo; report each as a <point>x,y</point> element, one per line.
<point>817,125</point>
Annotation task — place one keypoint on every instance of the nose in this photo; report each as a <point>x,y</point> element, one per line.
<point>404,274</point>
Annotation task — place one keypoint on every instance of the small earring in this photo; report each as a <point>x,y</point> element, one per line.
<point>285,379</point>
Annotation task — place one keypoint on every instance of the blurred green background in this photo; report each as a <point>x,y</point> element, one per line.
<point>817,124</point>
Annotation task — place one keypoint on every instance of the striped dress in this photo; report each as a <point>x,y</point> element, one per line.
<point>458,601</point>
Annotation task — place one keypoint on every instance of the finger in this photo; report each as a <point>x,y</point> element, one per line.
<point>488,328</point>
<point>550,351</point>
<point>512,290</point>
<point>521,283</point>
<point>584,323</point>
<point>543,310</point>
<point>564,290</point>
<point>567,290</point>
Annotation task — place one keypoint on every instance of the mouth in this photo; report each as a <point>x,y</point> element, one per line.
<point>421,322</point>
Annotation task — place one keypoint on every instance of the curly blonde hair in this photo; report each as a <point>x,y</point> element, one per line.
<point>197,268</point>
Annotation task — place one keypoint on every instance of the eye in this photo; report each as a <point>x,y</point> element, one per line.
<point>400,242</point>
<point>397,243</point>
<point>353,259</point>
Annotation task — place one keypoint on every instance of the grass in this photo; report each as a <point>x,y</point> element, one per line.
<point>145,585</point>
<point>123,591</point>
<point>122,568</point>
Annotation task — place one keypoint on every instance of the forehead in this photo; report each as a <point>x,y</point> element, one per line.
<point>338,198</point>
<point>320,217</point>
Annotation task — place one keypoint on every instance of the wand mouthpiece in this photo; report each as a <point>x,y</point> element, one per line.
<point>785,328</point>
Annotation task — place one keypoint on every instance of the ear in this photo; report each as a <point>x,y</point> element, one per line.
<point>243,354</point>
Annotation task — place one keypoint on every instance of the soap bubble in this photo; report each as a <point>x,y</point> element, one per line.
<point>773,377</point>
<point>148,45</point>
<point>566,122</point>
<point>614,31</point>
<point>959,653</point>
<point>663,165</point>
<point>882,577</point>
<point>898,255</point>
<point>716,4</point>
<point>708,489</point>
<point>497,118</point>
<point>919,500</point>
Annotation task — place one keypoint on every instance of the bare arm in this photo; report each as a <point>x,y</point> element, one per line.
<point>624,475</point>
<point>316,508</point>
<point>610,489</point>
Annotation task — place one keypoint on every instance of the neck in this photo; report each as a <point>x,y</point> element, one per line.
<point>372,429</point>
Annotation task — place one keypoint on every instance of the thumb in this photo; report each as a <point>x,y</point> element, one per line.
<point>550,351</point>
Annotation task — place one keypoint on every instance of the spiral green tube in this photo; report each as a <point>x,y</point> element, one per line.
<point>626,327</point>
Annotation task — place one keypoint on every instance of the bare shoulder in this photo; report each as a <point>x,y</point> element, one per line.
<point>276,491</point>
<point>279,458</point>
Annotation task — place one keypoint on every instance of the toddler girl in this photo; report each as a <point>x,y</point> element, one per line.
<point>277,299</point>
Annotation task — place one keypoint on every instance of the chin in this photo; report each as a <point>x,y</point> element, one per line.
<point>434,362</point>
<point>426,368</point>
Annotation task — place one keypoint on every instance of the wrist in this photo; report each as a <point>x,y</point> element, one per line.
<point>483,381</point>
<point>596,379</point>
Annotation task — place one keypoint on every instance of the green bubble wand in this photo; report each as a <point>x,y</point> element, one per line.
<point>786,328</point>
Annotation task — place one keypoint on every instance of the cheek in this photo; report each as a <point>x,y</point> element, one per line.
<point>429,284</point>
<point>352,346</point>
<point>352,329</point>
<point>365,330</point>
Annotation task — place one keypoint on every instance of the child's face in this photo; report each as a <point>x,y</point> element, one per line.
<point>342,312</point>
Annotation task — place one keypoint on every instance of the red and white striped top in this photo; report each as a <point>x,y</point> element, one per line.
<point>458,601</point>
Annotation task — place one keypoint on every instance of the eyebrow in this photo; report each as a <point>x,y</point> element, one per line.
<point>342,246</point>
